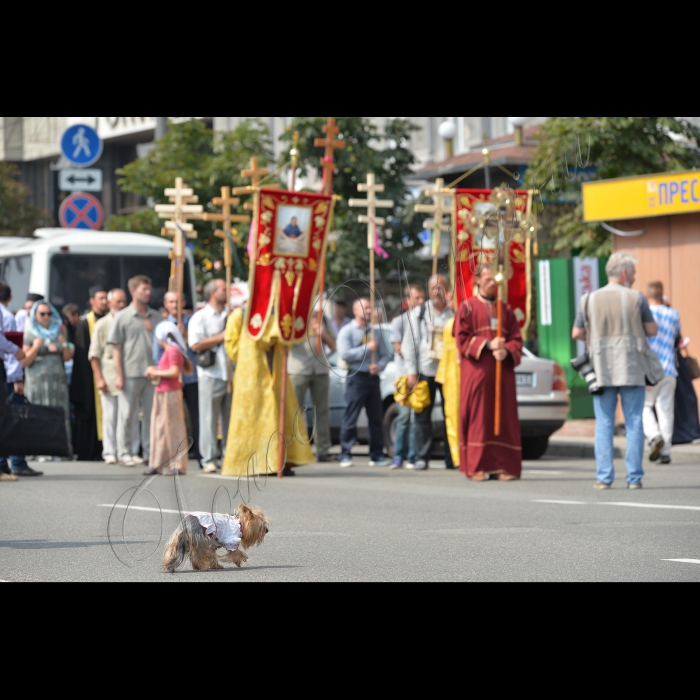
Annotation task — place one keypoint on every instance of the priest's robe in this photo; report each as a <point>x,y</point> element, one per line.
<point>481,450</point>
<point>448,376</point>
<point>256,405</point>
<point>87,434</point>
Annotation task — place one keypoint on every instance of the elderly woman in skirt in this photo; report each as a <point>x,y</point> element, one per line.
<point>168,430</point>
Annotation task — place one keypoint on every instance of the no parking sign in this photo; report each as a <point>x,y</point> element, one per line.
<point>81,211</point>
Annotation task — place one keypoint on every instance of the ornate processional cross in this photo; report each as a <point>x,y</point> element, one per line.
<point>330,143</point>
<point>437,209</point>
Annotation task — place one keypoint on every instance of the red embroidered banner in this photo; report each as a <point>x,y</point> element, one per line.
<point>476,210</point>
<point>291,232</point>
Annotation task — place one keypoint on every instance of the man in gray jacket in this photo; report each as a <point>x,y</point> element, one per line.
<point>616,322</point>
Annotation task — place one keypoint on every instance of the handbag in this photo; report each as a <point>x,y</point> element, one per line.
<point>692,364</point>
<point>206,359</point>
<point>33,430</point>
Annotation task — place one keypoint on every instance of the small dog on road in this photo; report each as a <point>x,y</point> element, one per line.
<point>202,535</point>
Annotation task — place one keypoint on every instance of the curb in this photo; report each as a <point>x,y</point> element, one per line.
<point>579,450</point>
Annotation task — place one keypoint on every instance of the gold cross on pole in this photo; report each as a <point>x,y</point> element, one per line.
<point>437,209</point>
<point>330,143</point>
<point>255,173</point>
<point>372,221</point>
<point>183,207</point>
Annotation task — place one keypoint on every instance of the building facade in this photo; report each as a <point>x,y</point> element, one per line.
<point>33,143</point>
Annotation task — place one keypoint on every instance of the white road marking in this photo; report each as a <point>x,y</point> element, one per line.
<point>145,510</point>
<point>541,472</point>
<point>564,503</point>
<point>683,561</point>
<point>651,506</point>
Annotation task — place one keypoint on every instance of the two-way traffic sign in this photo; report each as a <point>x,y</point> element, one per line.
<point>80,180</point>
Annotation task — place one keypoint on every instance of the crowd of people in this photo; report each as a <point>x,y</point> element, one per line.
<point>135,383</point>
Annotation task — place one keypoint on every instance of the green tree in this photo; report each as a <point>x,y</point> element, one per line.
<point>207,161</point>
<point>17,216</point>
<point>389,157</point>
<point>615,147</point>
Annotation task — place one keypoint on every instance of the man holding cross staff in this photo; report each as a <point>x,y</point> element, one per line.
<point>491,347</point>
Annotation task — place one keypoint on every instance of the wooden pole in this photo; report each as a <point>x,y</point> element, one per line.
<point>283,416</point>
<point>499,369</point>
<point>330,143</point>
<point>285,357</point>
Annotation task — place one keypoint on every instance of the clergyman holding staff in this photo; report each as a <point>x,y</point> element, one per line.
<point>483,453</point>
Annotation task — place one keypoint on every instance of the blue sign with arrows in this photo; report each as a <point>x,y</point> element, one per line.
<point>81,145</point>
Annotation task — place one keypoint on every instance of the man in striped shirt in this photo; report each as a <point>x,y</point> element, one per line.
<point>660,405</point>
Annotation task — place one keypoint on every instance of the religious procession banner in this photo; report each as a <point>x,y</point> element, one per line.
<point>290,234</point>
<point>483,218</point>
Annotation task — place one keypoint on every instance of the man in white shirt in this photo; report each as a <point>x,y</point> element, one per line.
<point>422,352</point>
<point>405,446</point>
<point>207,330</point>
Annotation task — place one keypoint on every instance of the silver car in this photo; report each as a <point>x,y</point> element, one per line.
<point>543,403</point>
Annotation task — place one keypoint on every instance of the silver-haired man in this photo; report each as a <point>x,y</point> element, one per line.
<point>616,322</point>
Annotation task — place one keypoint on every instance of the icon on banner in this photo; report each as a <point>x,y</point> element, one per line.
<point>81,211</point>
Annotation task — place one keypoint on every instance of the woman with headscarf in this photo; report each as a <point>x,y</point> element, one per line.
<point>46,349</point>
<point>168,429</point>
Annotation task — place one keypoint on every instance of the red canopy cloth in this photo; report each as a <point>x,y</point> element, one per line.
<point>481,450</point>
<point>472,252</point>
<point>290,237</point>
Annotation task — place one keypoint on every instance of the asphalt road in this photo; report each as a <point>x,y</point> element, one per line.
<point>368,525</point>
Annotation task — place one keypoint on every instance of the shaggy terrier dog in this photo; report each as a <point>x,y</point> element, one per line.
<point>202,535</point>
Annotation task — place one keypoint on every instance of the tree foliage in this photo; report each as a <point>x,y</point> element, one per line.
<point>388,155</point>
<point>207,161</point>
<point>615,147</point>
<point>17,216</point>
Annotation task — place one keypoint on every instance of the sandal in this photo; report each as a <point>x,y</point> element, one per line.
<point>8,477</point>
<point>175,472</point>
<point>152,472</point>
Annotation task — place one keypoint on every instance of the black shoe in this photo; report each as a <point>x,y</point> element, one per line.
<point>666,461</point>
<point>289,473</point>
<point>657,444</point>
<point>26,472</point>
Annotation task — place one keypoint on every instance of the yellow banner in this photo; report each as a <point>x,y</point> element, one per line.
<point>641,197</point>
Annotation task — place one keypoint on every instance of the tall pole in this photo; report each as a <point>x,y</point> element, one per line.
<point>161,127</point>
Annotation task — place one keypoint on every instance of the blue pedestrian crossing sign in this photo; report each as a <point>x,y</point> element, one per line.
<point>81,145</point>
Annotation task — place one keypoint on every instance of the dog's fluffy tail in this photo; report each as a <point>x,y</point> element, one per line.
<point>181,541</point>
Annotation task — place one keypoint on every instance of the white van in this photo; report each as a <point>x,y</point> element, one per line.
<point>62,265</point>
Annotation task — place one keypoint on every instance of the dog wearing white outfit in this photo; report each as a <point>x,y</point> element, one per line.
<point>202,535</point>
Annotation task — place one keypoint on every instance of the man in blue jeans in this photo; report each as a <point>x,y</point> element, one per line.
<point>366,359</point>
<point>405,446</point>
<point>616,322</point>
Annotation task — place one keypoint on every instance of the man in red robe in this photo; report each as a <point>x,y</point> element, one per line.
<point>476,330</point>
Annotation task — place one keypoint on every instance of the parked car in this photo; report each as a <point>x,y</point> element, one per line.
<point>543,402</point>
